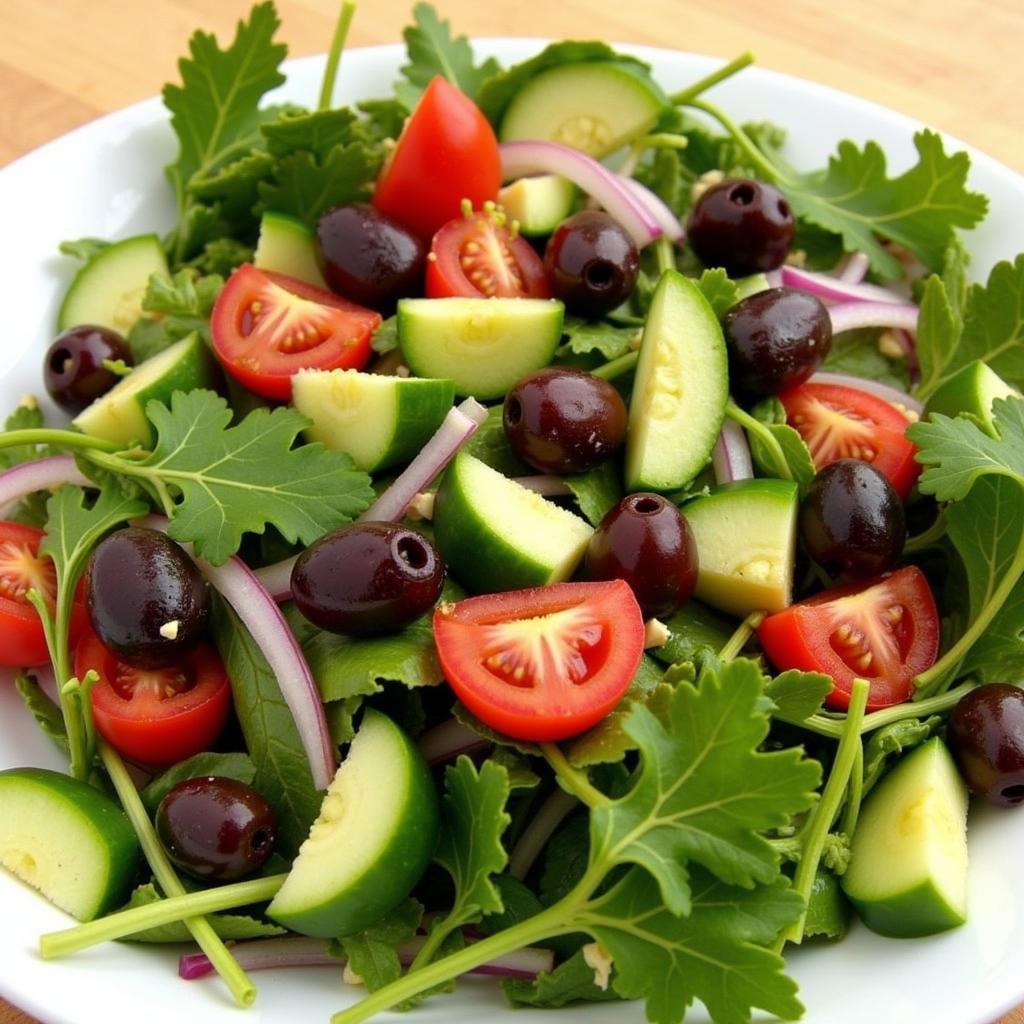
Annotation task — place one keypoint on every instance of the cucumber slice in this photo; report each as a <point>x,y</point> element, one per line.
<point>595,106</point>
<point>68,840</point>
<point>680,390</point>
<point>483,345</point>
<point>538,205</point>
<point>971,392</point>
<point>496,535</point>
<point>380,421</point>
<point>109,289</point>
<point>908,860</point>
<point>373,840</point>
<point>746,545</point>
<point>287,246</point>
<point>120,414</point>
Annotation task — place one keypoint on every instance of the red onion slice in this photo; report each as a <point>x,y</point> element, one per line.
<point>849,316</point>
<point>657,208</point>
<point>731,457</point>
<point>42,475</point>
<point>889,394</point>
<point>277,578</point>
<point>854,268</point>
<point>519,159</point>
<point>832,289</point>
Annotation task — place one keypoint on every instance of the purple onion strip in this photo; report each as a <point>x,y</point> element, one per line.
<point>849,316</point>
<point>832,289</point>
<point>731,459</point>
<point>277,578</point>
<point>657,207</point>
<point>41,475</point>
<point>855,268</point>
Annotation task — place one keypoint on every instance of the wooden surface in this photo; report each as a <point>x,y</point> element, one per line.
<point>955,64</point>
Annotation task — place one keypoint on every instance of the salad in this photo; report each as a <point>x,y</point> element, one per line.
<point>520,525</point>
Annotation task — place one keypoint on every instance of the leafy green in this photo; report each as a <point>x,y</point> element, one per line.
<point>798,458</point>
<point>695,633</point>
<point>221,256</point>
<point>179,305</point>
<point>26,416</point>
<point>235,766</point>
<point>565,860</point>
<point>490,445</point>
<point>857,353</point>
<point>597,491</point>
<point>372,954</point>
<point>84,249</point>
<point>895,739</point>
<point>433,51</point>
<point>47,715</point>
<point>316,131</point>
<point>385,338</point>
<point>796,695</point>
<point>722,294</point>
<point>607,339</point>
<point>384,118</point>
<point>572,981</point>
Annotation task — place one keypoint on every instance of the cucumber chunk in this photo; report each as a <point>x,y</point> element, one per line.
<point>287,246</point>
<point>380,421</point>
<point>373,840</point>
<point>908,859</point>
<point>971,392</point>
<point>539,204</point>
<point>595,106</point>
<point>496,535</point>
<point>483,345</point>
<point>109,289</point>
<point>68,840</point>
<point>680,390</point>
<point>746,545</point>
<point>120,414</point>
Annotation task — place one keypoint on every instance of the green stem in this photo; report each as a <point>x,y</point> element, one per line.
<point>854,793</point>
<point>691,92</point>
<point>928,538</point>
<point>765,168</point>
<point>572,779</point>
<point>202,931</point>
<point>535,836</point>
<point>663,255</point>
<point>764,435</point>
<point>434,941</point>
<point>739,639</point>
<point>617,367</point>
<point>929,682</point>
<point>58,439</point>
<point>348,9</point>
<point>819,822</point>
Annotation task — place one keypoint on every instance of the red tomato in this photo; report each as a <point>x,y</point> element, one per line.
<point>268,326</point>
<point>446,153</point>
<point>478,256</point>
<point>156,716</point>
<point>542,664</point>
<point>846,423</point>
<point>884,630</point>
<point>22,643</point>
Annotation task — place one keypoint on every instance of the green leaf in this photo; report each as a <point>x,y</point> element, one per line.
<point>920,209</point>
<point>520,774</point>
<point>433,51</point>
<point>572,981</point>
<point>695,633</point>
<point>222,257</point>
<point>317,131</point>
<point>705,791</point>
<point>797,454</point>
<point>892,740</point>
<point>385,338</point>
<point>235,766</point>
<point>667,175</point>
<point>597,491</point>
<point>180,305</point>
<point>565,860</point>
<point>231,480</point>
<point>373,954</point>
<point>340,719</point>
<point>47,715</point>
<point>384,119</point>
<point>27,416</point>
<point>607,339</point>
<point>716,953</point>
<point>228,926</point>
<point>721,293</point>
<point>83,249</point>
<point>796,695</point>
<point>938,334</point>
<point>857,353</point>
<point>282,768</point>
<point>490,445</point>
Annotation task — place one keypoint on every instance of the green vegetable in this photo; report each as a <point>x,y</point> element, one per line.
<point>183,304</point>
<point>597,491</point>
<point>372,954</point>
<point>572,981</point>
<point>695,633</point>
<point>47,714</point>
<point>796,695</point>
<point>607,339</point>
<point>857,354</point>
<point>722,293</point>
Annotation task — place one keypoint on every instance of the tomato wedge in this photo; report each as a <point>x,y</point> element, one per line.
<point>266,327</point>
<point>545,663</point>
<point>478,256</point>
<point>885,631</point>
<point>156,716</point>
<point>839,422</point>
<point>22,642</point>
<point>446,153</point>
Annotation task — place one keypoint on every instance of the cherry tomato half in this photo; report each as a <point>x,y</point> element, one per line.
<point>156,716</point>
<point>542,664</point>
<point>446,153</point>
<point>885,631</point>
<point>478,256</point>
<point>22,642</point>
<point>266,327</point>
<point>840,422</point>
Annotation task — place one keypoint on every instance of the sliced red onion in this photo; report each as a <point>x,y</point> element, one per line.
<point>457,428</point>
<point>854,268</point>
<point>277,578</point>
<point>258,611</point>
<point>849,316</point>
<point>447,741</point>
<point>774,278</point>
<point>548,486</point>
<point>832,289</point>
<point>731,456</point>
<point>889,394</point>
<point>519,159</point>
<point>41,475</point>
<point>657,208</point>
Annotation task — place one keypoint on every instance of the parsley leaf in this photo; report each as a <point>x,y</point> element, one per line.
<point>895,738</point>
<point>722,293</point>
<point>83,248</point>
<point>373,954</point>
<point>796,695</point>
<point>798,457</point>
<point>317,131</point>
<point>607,339</point>
<point>572,981</point>
<point>695,633</point>
<point>180,305</point>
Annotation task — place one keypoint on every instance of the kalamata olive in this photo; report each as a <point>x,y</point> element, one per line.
<point>367,578</point>
<point>73,369</point>
<point>646,542</point>
<point>776,339</point>
<point>564,421</point>
<point>852,521</point>
<point>216,828</point>
<point>591,263</point>
<point>147,600</point>
<point>367,257</point>
<point>986,735</point>
<point>742,225</point>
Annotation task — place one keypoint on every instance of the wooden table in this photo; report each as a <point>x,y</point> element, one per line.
<point>956,65</point>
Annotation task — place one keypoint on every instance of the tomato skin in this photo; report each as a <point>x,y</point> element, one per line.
<point>840,422</point>
<point>149,729</point>
<point>499,266</point>
<point>446,153</point>
<point>262,346</point>
<point>597,627</point>
<point>22,641</point>
<point>805,636</point>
